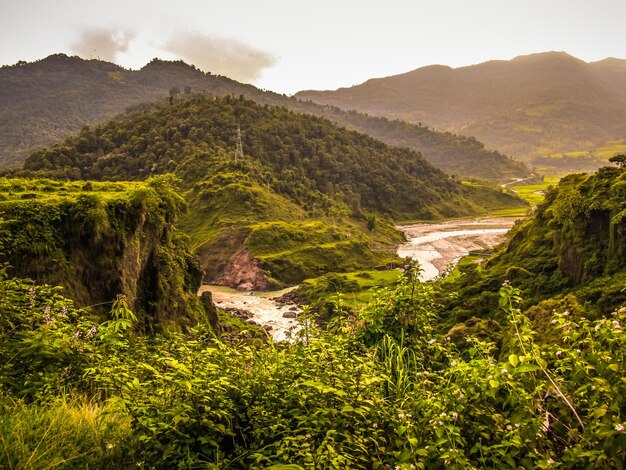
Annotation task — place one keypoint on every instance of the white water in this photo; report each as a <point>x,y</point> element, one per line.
<point>437,246</point>
<point>264,310</point>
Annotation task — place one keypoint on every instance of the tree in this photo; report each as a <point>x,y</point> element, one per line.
<point>620,159</point>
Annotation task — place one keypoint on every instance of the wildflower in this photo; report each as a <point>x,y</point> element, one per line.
<point>597,328</point>
<point>550,461</point>
<point>614,314</point>
<point>622,310</point>
<point>509,427</point>
<point>91,333</point>
<point>401,415</point>
<point>46,315</point>
<point>578,351</point>
<point>619,427</point>
<point>432,341</point>
<point>517,425</point>
<point>553,321</point>
<point>453,363</point>
<point>108,446</point>
<point>455,415</point>
<point>375,425</point>
<point>490,377</point>
<point>307,436</point>
<point>504,371</point>
<point>558,353</point>
<point>506,283</point>
<point>617,325</point>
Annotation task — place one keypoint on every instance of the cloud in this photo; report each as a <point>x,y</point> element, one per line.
<point>103,44</point>
<point>220,56</point>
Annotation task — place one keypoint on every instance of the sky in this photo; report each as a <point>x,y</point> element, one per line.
<point>292,45</point>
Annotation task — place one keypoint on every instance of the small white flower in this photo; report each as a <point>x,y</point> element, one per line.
<point>558,353</point>
<point>375,425</point>
<point>597,328</point>
<point>504,371</point>
<point>432,341</point>
<point>453,363</point>
<point>455,415</point>
<point>619,427</point>
<point>550,461</point>
<point>509,427</point>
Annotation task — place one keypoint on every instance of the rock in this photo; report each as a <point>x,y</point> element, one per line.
<point>294,309</point>
<point>267,327</point>
<point>290,314</point>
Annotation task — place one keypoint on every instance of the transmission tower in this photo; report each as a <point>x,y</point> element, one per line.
<point>239,149</point>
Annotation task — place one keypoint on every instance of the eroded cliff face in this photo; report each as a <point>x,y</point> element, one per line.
<point>100,246</point>
<point>243,273</point>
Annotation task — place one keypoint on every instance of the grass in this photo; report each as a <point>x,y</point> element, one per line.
<point>20,189</point>
<point>533,193</point>
<point>64,433</point>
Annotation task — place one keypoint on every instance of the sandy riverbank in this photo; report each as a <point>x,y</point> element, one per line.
<point>437,246</point>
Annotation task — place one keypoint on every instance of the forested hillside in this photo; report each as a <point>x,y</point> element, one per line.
<point>292,165</point>
<point>43,102</point>
<point>574,243</point>
<point>528,107</point>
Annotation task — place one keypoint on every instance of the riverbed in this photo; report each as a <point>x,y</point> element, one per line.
<point>262,306</point>
<point>435,246</point>
<point>441,245</point>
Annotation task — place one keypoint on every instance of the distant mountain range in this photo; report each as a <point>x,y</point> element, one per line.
<point>43,102</point>
<point>528,107</point>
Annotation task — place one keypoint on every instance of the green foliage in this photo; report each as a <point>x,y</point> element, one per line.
<point>114,238</point>
<point>378,389</point>
<point>293,154</point>
<point>574,242</point>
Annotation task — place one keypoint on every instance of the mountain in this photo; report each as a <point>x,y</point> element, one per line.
<point>292,205</point>
<point>528,107</point>
<point>43,102</point>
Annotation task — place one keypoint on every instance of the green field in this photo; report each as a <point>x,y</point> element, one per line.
<point>533,193</point>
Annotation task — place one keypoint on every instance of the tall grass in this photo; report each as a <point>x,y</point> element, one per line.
<point>66,433</point>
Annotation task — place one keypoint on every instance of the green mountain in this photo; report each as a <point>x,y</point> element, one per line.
<point>43,102</point>
<point>528,107</point>
<point>571,254</point>
<point>253,208</point>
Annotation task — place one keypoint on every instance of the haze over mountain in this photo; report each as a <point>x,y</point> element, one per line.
<point>43,102</point>
<point>528,107</point>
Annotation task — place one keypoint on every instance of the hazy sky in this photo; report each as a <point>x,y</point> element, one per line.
<point>290,45</point>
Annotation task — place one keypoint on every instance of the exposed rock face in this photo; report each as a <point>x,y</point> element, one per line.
<point>243,273</point>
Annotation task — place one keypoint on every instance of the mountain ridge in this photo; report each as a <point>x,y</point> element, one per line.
<point>42,103</point>
<point>530,106</point>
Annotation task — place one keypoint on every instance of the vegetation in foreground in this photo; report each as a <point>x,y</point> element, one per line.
<point>380,388</point>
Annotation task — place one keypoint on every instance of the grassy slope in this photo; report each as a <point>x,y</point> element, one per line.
<point>296,168</point>
<point>573,243</point>
<point>99,240</point>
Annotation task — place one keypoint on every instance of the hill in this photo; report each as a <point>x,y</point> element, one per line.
<point>570,255</point>
<point>100,241</point>
<point>528,107</point>
<point>43,102</point>
<point>293,168</point>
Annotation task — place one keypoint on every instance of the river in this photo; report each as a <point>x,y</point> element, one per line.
<point>435,246</point>
<point>262,307</point>
<point>440,245</point>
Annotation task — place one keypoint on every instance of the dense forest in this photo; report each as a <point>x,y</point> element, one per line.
<point>43,102</point>
<point>293,166</point>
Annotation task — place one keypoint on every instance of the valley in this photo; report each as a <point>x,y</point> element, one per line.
<point>197,273</point>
